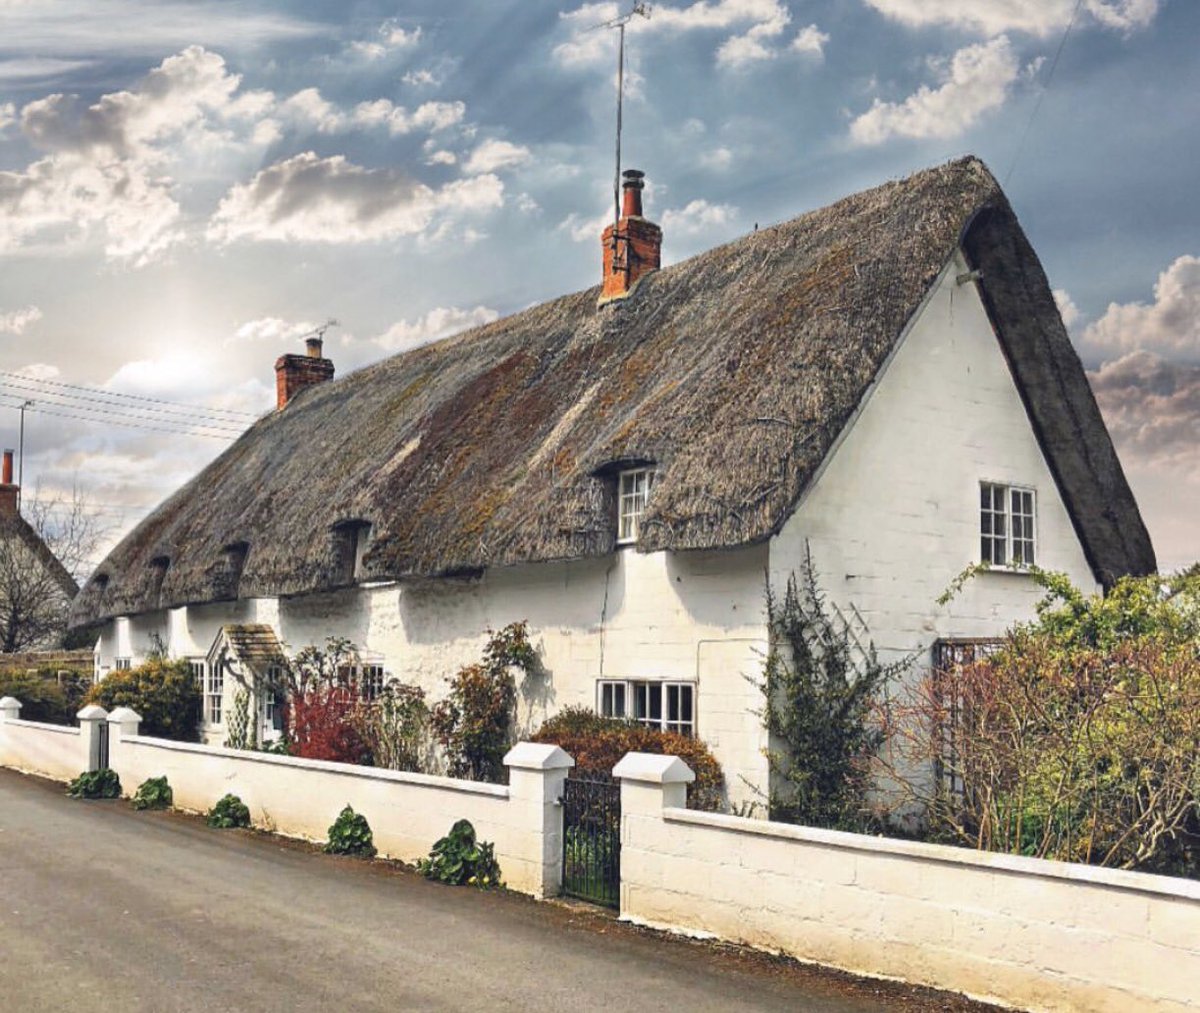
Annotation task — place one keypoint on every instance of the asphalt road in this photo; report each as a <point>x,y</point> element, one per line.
<point>102,908</point>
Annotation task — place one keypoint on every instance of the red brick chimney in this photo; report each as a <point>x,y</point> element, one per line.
<point>633,248</point>
<point>8,491</point>
<point>295,372</point>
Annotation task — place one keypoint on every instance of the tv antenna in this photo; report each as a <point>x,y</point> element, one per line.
<point>638,9</point>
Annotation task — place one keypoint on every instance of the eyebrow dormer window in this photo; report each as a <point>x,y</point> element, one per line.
<point>633,492</point>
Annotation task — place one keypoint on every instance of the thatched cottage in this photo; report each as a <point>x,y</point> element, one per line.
<point>35,588</point>
<point>886,380</point>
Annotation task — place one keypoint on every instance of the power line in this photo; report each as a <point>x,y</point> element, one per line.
<point>97,414</point>
<point>68,399</point>
<point>218,434</point>
<point>131,397</point>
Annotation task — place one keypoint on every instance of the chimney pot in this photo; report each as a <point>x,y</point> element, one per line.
<point>8,467</point>
<point>313,347</point>
<point>632,248</point>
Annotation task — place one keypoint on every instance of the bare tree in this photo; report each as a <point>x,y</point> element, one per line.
<point>42,558</point>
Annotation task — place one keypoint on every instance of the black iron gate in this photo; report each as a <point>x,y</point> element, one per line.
<point>592,840</point>
<point>102,746</point>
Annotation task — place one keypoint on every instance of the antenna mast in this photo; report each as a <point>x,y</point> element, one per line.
<point>638,9</point>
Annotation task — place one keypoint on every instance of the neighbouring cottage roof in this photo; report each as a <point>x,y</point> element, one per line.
<point>733,371</point>
<point>19,531</point>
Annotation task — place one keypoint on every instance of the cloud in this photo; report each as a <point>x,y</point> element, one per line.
<point>430,116</point>
<point>1169,325</point>
<point>15,321</point>
<point>8,115</point>
<point>440,156</point>
<point>585,230</point>
<point>1066,308</point>
<point>976,81</point>
<point>274,330</point>
<point>331,200</point>
<point>757,43</point>
<point>1152,409</point>
<point>761,23</point>
<point>83,27</point>
<point>104,165</point>
<point>437,323</point>
<point>494,155</point>
<point>717,160</point>
<point>33,68</point>
<point>697,216</point>
<point>1037,17</point>
<point>421,79</point>
<point>390,37</point>
<point>811,41</point>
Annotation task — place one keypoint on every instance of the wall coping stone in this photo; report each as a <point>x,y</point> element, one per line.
<point>45,726</point>
<point>538,756</point>
<point>1119,879</point>
<point>654,769</point>
<point>330,766</point>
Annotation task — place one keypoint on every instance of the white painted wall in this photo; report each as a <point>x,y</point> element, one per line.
<point>894,514</point>
<point>688,616</point>
<point>1023,931</point>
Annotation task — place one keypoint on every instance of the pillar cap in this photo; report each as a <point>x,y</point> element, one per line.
<point>124,715</point>
<point>92,712</point>
<point>653,769</point>
<point>538,756</point>
<point>9,703</point>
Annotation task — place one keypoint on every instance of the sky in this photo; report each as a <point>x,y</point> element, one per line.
<point>186,188</point>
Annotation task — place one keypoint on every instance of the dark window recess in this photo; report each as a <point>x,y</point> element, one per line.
<point>158,573</point>
<point>229,574</point>
<point>351,539</point>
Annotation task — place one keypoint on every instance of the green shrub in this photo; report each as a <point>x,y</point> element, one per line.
<point>597,744</point>
<point>351,835</point>
<point>96,784</point>
<point>230,811</point>
<point>458,858</point>
<point>153,793</point>
<point>824,691</point>
<point>163,692</point>
<point>474,722</point>
<point>42,699</point>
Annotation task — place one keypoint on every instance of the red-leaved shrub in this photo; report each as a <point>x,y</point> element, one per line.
<point>597,744</point>
<point>322,725</point>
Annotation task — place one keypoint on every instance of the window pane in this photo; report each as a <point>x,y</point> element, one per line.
<point>656,701</point>
<point>672,703</point>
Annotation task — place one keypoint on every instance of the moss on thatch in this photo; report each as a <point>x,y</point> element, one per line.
<point>733,371</point>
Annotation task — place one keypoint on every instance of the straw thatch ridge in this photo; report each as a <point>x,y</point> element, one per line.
<point>733,371</point>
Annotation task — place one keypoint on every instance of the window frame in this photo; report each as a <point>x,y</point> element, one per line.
<point>641,497</point>
<point>122,664</point>
<point>648,696</point>
<point>1009,517</point>
<point>214,695</point>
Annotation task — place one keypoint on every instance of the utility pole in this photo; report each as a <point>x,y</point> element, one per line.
<point>21,457</point>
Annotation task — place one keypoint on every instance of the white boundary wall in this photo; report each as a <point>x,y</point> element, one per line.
<point>302,798</point>
<point>407,812</point>
<point>1025,932</point>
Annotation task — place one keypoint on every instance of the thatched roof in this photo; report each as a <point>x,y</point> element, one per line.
<point>17,530</point>
<point>733,371</point>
